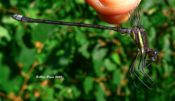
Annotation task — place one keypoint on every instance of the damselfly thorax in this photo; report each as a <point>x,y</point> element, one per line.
<point>138,35</point>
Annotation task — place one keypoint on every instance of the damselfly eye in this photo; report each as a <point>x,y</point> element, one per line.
<point>152,54</point>
<point>155,53</point>
<point>114,11</point>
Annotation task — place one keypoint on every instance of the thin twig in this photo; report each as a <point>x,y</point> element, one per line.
<point>3,95</point>
<point>8,10</point>
<point>27,78</point>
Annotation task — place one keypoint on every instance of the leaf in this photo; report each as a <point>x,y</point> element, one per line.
<point>99,53</point>
<point>115,57</point>
<point>42,32</point>
<point>98,64</point>
<point>109,65</point>
<point>173,32</point>
<point>76,92</point>
<point>100,94</point>
<point>88,84</point>
<point>98,56</point>
<point>4,34</point>
<point>166,48</point>
<point>84,50</point>
<point>116,77</point>
<point>26,57</point>
<point>80,37</point>
<point>5,84</point>
<point>13,2</point>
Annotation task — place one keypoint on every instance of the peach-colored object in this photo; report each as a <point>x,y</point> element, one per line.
<point>114,11</point>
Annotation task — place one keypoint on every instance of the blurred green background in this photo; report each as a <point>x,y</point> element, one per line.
<point>92,64</point>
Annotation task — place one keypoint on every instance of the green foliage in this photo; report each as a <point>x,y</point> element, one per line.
<point>88,84</point>
<point>90,64</point>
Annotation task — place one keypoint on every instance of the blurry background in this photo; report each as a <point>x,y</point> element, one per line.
<point>92,64</point>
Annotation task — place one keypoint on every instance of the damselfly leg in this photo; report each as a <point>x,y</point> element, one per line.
<point>132,71</point>
<point>143,65</point>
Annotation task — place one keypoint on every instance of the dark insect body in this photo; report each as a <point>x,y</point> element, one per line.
<point>137,32</point>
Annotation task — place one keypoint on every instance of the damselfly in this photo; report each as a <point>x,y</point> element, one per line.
<point>137,32</point>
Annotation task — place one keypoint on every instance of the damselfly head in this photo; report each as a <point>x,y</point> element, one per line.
<point>152,55</point>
